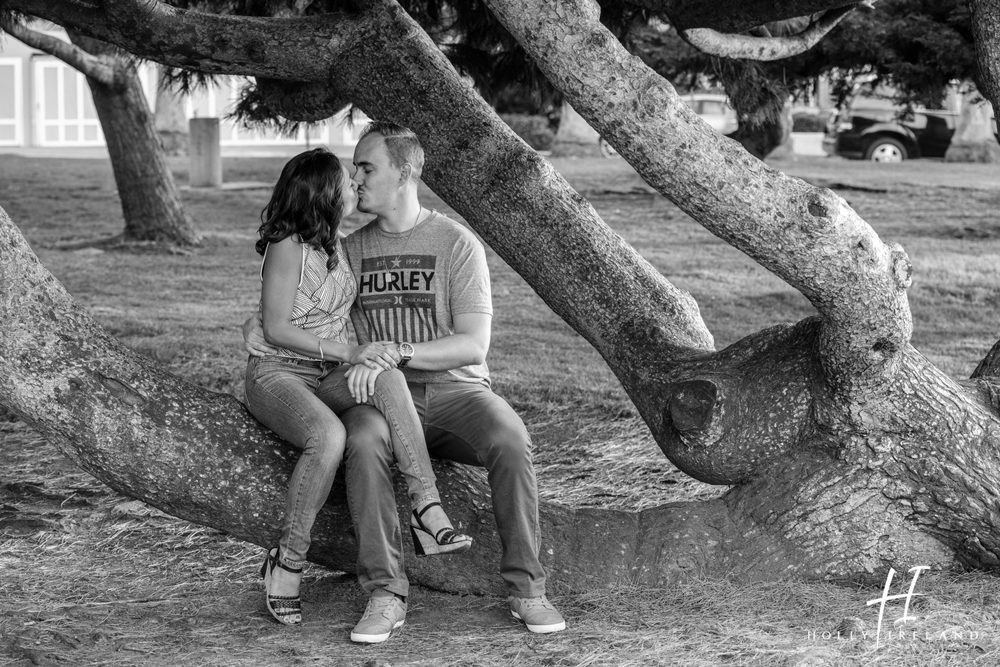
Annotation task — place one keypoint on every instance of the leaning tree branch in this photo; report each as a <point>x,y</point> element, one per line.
<point>986,34</point>
<point>807,235</point>
<point>90,65</point>
<point>765,48</point>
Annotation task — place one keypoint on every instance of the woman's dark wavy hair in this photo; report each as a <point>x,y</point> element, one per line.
<point>307,200</point>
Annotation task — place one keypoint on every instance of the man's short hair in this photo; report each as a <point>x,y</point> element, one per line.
<point>401,143</point>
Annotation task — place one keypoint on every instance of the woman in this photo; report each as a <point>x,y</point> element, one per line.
<point>306,295</point>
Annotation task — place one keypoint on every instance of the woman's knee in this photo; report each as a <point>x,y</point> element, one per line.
<point>391,381</point>
<point>326,445</point>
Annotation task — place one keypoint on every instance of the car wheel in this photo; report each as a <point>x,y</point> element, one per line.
<point>884,149</point>
<point>607,150</point>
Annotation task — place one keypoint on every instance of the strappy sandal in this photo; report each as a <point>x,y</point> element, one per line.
<point>446,541</point>
<point>286,610</point>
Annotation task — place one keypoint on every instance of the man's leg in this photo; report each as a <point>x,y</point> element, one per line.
<point>372,503</point>
<point>470,424</point>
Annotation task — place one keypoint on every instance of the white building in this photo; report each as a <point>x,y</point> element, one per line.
<point>46,103</point>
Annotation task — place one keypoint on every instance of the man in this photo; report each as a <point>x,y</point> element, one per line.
<point>423,282</point>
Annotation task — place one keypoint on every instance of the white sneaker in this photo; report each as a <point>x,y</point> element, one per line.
<point>382,615</point>
<point>536,613</point>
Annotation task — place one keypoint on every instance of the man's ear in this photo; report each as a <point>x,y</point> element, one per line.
<point>405,172</point>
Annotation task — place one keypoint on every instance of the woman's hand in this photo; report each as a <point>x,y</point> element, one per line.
<point>253,337</point>
<point>361,382</point>
<point>381,356</point>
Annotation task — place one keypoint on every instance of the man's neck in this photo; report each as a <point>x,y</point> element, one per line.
<point>401,218</point>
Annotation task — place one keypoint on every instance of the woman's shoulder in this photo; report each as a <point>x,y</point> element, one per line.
<point>289,247</point>
<point>290,241</point>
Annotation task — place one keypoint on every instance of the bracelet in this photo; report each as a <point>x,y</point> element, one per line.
<point>319,344</point>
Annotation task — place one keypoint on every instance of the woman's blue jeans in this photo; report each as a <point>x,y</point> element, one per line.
<point>300,401</point>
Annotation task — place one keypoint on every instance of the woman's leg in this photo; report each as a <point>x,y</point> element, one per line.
<point>281,396</point>
<point>432,530</point>
<point>406,434</point>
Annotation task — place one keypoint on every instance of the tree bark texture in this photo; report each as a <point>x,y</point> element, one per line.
<point>151,202</point>
<point>986,35</point>
<point>848,452</point>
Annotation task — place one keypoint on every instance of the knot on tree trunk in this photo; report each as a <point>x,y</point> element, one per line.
<point>727,414</point>
<point>703,439</point>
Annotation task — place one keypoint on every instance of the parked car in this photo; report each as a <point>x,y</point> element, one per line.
<point>884,135</point>
<point>714,109</point>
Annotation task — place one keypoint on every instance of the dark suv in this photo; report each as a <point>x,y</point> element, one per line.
<point>883,135</point>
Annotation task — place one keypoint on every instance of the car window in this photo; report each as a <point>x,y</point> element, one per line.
<point>938,126</point>
<point>712,107</point>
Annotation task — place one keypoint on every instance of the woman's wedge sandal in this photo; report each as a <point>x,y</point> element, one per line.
<point>445,541</point>
<point>285,609</point>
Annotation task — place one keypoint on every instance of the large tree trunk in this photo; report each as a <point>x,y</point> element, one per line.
<point>151,203</point>
<point>848,453</point>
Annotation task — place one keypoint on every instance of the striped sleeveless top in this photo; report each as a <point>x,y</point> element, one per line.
<point>323,299</point>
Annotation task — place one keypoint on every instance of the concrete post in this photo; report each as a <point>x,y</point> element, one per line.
<point>205,153</point>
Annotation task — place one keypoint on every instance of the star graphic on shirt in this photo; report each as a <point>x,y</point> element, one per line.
<point>395,263</point>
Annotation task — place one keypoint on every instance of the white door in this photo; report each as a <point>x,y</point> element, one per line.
<point>11,120</point>
<point>64,110</point>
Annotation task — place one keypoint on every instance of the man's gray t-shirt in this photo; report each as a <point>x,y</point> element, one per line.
<point>412,284</point>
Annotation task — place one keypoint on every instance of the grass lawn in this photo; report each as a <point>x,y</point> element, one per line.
<point>90,577</point>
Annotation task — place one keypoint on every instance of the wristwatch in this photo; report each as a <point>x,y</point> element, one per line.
<point>406,352</point>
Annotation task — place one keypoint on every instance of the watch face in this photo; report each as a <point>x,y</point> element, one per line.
<point>406,349</point>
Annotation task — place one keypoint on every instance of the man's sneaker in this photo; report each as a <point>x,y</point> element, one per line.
<point>537,613</point>
<point>382,615</point>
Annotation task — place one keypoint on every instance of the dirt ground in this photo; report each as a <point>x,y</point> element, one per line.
<point>103,579</point>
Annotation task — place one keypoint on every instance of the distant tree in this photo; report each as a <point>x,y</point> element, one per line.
<point>920,48</point>
<point>151,204</point>
<point>170,117</point>
<point>917,48</point>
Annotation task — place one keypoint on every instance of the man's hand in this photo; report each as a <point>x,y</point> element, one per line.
<point>361,382</point>
<point>253,337</point>
<point>382,355</point>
